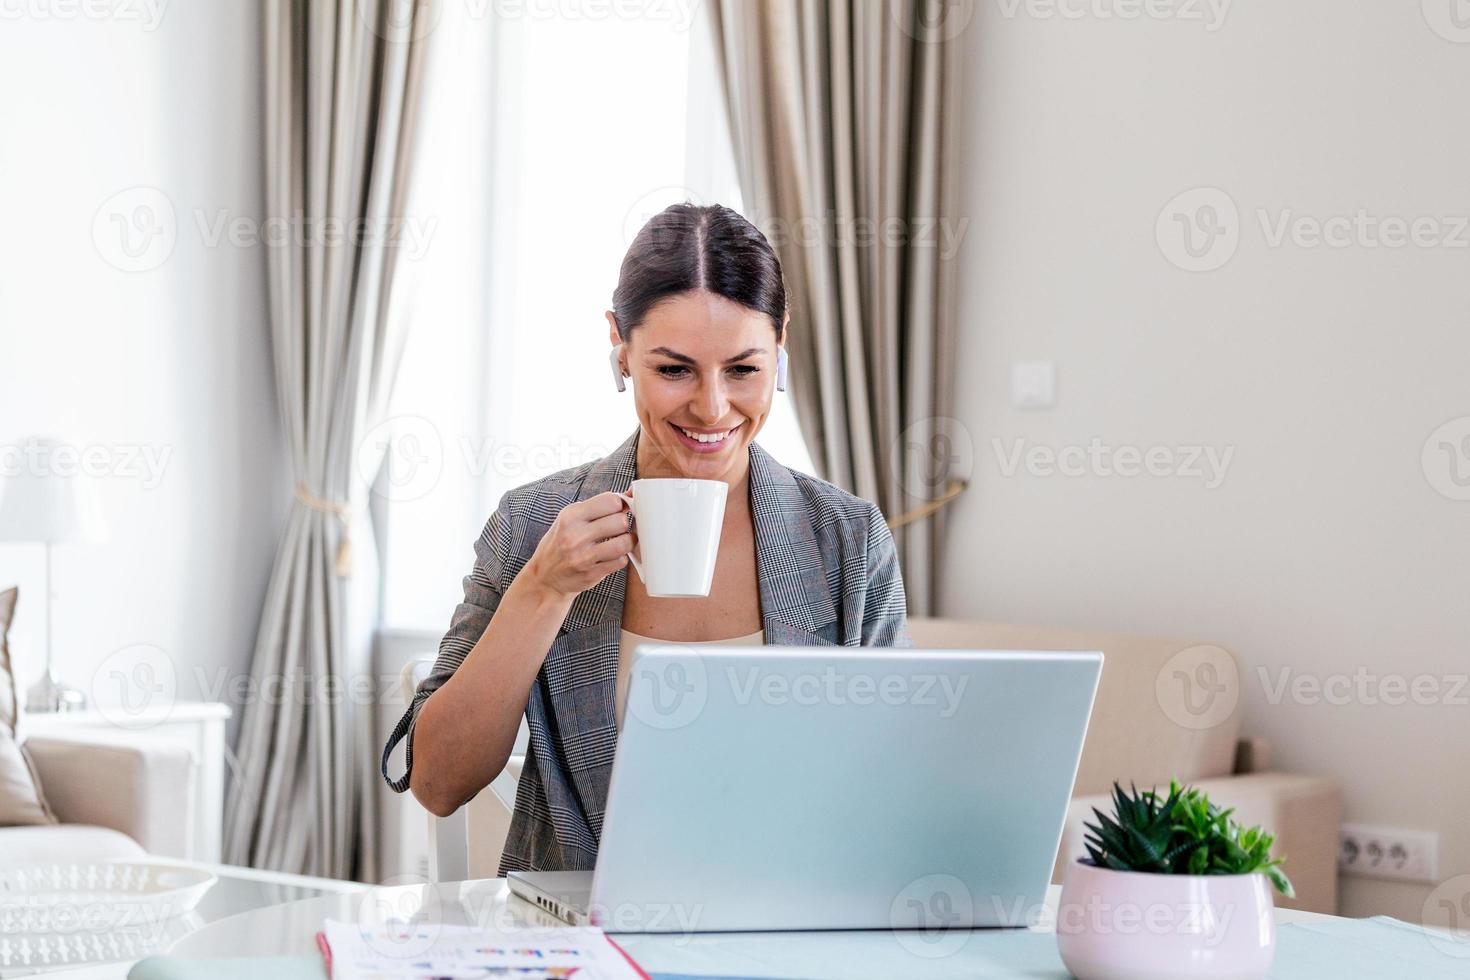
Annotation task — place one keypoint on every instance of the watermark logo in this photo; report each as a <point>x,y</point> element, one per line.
<point>135,687</point>
<point>401,917</point>
<point>135,230</point>
<point>1449,903</point>
<point>1365,687</point>
<point>679,14</point>
<point>1210,13</point>
<point>146,13</point>
<point>930,916</point>
<point>1098,917</point>
<point>1450,19</point>
<point>668,692</point>
<point>641,211</point>
<point>932,452</point>
<point>1206,464</point>
<point>409,234</point>
<point>1198,687</point>
<point>1363,229</point>
<point>409,452</point>
<point>401,21</point>
<point>1199,230</point>
<point>932,21</point>
<point>1445,459</point>
<point>45,457</point>
<point>839,688</point>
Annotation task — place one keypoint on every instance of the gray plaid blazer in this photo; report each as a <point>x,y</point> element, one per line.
<point>828,575</point>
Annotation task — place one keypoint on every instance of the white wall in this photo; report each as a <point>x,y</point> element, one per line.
<point>1327,547</point>
<point>173,357</point>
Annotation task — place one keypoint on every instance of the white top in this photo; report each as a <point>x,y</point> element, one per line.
<point>627,642</point>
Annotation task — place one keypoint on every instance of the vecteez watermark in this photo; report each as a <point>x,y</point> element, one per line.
<point>1450,19</point>
<point>1207,14</point>
<point>1445,459</point>
<point>1446,915</point>
<point>147,14</point>
<point>678,14</point>
<point>138,228</point>
<point>1198,687</point>
<point>1201,229</point>
<point>1363,686</point>
<point>138,685</point>
<point>144,462</point>
<point>943,234</point>
<point>840,687</point>
<point>1205,464</point>
<point>412,454</point>
<point>679,688</point>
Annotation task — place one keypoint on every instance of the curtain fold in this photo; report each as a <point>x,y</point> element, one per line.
<point>343,87</point>
<point>843,121</point>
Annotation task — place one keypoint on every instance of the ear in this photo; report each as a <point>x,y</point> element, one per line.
<point>612,328</point>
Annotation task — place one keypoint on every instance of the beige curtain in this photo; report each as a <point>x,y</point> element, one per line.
<point>842,116</point>
<point>343,82</point>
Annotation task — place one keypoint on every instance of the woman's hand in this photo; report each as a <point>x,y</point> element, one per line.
<point>588,541</point>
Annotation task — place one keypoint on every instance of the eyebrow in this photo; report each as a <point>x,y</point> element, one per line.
<point>685,358</point>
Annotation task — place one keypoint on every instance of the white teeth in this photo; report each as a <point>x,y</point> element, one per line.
<point>706,436</point>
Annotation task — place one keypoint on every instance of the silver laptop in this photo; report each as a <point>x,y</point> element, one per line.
<point>775,788</point>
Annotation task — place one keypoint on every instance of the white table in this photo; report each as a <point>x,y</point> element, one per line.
<point>237,892</point>
<point>198,726</point>
<point>289,930</point>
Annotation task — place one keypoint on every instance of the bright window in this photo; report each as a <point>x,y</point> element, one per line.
<point>561,137</point>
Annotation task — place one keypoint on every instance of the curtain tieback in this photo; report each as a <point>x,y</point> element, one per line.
<point>953,490</point>
<point>344,514</point>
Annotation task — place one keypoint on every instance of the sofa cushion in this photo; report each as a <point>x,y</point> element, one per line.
<point>66,843</point>
<point>1165,709</point>
<point>21,801</point>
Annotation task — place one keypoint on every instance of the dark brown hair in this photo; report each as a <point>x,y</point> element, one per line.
<point>692,246</point>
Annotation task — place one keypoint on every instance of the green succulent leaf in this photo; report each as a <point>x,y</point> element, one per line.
<point>1182,832</point>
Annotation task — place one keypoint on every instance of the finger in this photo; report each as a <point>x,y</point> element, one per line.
<point>601,505</point>
<point>607,527</point>
<point>603,569</point>
<point>612,548</point>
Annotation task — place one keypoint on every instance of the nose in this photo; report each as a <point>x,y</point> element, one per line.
<point>710,405</point>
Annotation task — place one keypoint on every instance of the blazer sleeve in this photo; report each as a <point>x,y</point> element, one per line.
<point>885,605</point>
<point>483,587</point>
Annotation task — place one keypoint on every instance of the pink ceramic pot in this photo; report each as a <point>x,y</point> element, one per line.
<point>1128,925</point>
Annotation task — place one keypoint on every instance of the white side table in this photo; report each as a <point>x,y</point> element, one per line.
<point>196,725</point>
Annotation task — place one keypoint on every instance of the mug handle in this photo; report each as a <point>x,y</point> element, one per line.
<point>637,565</point>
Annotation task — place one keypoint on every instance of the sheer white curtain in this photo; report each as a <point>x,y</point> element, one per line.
<point>591,125</point>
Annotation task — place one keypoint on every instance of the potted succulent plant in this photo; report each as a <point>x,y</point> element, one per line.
<point>1171,889</point>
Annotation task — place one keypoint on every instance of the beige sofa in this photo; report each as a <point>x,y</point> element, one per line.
<point>1170,709</point>
<point>110,801</point>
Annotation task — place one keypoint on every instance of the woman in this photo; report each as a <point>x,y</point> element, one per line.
<point>550,615</point>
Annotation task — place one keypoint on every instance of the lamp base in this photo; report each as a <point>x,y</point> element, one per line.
<point>48,694</point>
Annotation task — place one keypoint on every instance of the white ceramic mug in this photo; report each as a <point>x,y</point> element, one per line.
<point>678,524</point>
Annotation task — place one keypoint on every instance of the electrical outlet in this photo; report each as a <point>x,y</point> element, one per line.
<point>1387,852</point>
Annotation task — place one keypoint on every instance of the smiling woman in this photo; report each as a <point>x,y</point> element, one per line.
<point>550,615</point>
<point>698,321</point>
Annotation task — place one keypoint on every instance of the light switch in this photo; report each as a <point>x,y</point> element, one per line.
<point>1033,384</point>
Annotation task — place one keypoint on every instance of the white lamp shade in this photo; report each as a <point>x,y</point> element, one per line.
<point>39,504</point>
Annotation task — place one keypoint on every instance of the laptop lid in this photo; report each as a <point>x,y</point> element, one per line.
<point>769,788</point>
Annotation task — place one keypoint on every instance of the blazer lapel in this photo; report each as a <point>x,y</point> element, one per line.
<point>796,600</point>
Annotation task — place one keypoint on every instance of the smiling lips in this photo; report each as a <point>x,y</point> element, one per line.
<point>704,442</point>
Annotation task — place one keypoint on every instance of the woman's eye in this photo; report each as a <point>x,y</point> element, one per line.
<point>744,370</point>
<point>673,371</point>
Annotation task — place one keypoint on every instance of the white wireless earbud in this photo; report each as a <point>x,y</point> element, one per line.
<point>781,367</point>
<point>617,367</point>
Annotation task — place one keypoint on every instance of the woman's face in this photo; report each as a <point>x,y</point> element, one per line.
<point>704,373</point>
